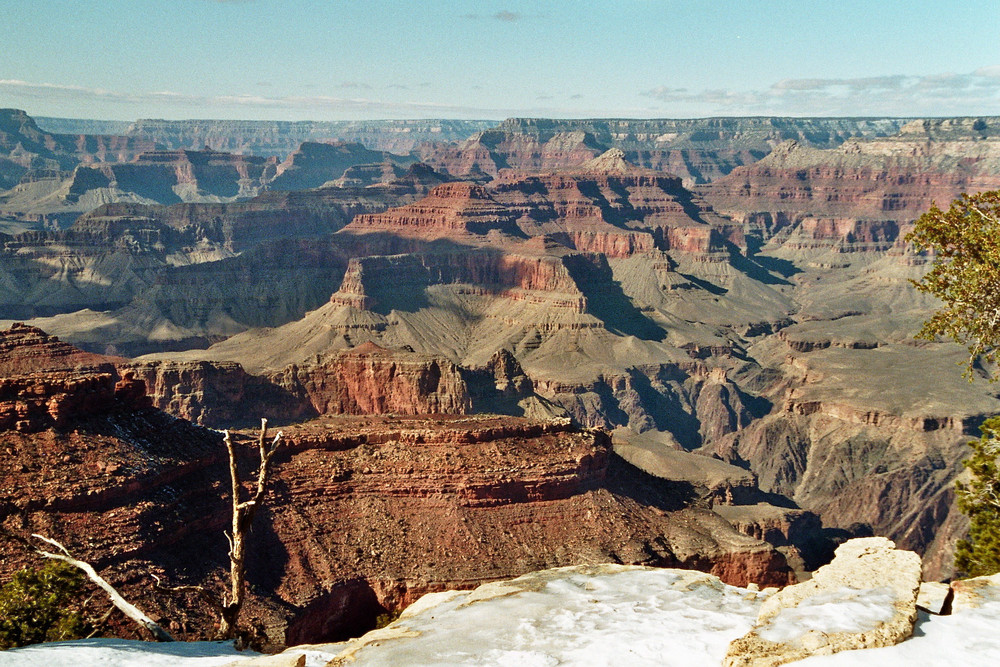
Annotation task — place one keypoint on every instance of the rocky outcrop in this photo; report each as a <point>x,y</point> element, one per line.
<point>25,350</point>
<point>38,401</point>
<point>369,379</point>
<point>493,475</point>
<point>216,394</point>
<point>869,572</point>
<point>364,380</point>
<point>801,530</point>
<point>975,592</point>
<point>448,210</point>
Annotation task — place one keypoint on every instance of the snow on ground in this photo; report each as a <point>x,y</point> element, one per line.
<point>840,610</point>
<point>122,653</point>
<point>970,637</point>
<point>618,615</point>
<point>599,615</point>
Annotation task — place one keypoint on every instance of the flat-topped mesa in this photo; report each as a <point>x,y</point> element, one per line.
<point>167,177</point>
<point>365,175</point>
<point>487,153</point>
<point>385,282</point>
<point>315,163</point>
<point>451,208</point>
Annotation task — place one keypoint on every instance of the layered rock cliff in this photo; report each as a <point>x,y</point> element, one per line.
<point>279,138</point>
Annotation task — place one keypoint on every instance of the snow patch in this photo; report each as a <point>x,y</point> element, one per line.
<point>841,610</point>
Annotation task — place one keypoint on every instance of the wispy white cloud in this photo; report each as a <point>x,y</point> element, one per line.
<point>945,93</point>
<point>319,104</point>
<point>504,15</point>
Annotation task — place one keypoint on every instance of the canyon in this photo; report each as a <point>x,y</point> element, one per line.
<point>703,326</point>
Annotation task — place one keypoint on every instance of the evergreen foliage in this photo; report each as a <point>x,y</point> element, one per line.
<point>965,275</point>
<point>35,606</point>
<point>980,500</point>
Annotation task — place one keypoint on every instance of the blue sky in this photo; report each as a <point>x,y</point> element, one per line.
<point>329,60</point>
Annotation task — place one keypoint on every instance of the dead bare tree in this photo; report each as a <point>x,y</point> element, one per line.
<point>243,514</point>
<point>125,606</point>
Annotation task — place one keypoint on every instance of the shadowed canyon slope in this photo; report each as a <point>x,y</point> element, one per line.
<point>763,317</point>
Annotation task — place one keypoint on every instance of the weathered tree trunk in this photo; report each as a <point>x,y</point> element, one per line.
<point>124,605</point>
<point>243,514</point>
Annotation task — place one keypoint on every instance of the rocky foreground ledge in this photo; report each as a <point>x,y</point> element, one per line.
<point>625,614</point>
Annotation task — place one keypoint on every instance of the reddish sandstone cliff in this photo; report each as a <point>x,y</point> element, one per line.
<point>369,379</point>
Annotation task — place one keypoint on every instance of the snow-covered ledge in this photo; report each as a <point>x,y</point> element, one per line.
<point>597,615</point>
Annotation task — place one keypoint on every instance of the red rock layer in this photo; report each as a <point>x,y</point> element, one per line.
<point>451,208</point>
<point>858,196</point>
<point>34,402</point>
<point>25,349</point>
<point>419,505</point>
<point>369,379</point>
<point>617,210</point>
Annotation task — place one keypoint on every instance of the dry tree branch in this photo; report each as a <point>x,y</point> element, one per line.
<point>124,605</point>
<point>243,514</point>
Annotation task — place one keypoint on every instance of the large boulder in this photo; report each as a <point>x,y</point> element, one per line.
<point>865,598</point>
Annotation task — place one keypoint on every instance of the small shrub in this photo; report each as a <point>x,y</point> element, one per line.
<point>385,619</point>
<point>35,606</point>
<point>980,501</point>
